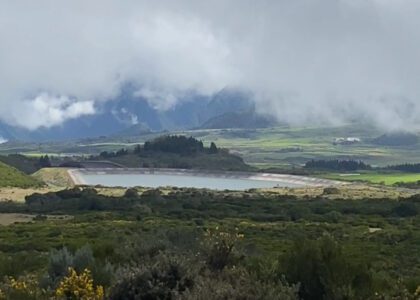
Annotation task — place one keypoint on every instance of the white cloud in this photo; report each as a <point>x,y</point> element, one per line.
<point>305,60</point>
<point>46,111</point>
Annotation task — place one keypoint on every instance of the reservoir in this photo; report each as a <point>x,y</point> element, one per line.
<point>190,178</point>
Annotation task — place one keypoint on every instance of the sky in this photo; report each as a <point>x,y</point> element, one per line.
<point>304,61</point>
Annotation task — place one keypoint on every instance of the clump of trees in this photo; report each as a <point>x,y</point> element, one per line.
<point>411,168</point>
<point>121,152</point>
<point>44,161</point>
<point>337,165</point>
<point>178,144</point>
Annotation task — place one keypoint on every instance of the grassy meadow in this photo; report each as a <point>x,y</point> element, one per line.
<point>377,178</point>
<point>268,147</point>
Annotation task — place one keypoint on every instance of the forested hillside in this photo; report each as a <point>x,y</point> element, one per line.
<point>176,151</point>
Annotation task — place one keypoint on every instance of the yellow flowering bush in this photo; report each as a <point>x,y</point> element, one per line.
<point>79,287</point>
<point>25,287</point>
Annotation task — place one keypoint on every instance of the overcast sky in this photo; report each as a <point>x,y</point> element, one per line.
<point>304,60</point>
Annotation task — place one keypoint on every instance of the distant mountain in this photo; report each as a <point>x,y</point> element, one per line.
<point>245,119</point>
<point>397,139</point>
<point>135,130</point>
<point>134,114</point>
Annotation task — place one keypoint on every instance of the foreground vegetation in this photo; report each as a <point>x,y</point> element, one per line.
<point>189,244</point>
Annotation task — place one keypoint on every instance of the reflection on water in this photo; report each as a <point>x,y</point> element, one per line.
<point>158,180</point>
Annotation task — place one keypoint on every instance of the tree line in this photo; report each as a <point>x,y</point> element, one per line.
<point>337,165</point>
<point>177,144</point>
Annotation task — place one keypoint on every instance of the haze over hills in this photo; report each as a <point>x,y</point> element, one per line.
<point>129,113</point>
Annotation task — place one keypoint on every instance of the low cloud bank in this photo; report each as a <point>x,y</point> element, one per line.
<point>305,61</point>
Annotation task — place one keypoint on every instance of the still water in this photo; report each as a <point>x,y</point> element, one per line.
<point>184,180</point>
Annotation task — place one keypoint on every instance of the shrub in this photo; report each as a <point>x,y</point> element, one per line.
<point>60,261</point>
<point>131,193</point>
<point>333,216</point>
<point>324,272</point>
<point>219,248</point>
<point>331,191</point>
<point>406,209</point>
<point>163,278</point>
<point>238,284</point>
<point>79,287</point>
<point>22,288</point>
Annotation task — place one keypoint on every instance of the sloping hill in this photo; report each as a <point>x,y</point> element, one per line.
<point>11,177</point>
<point>27,165</point>
<point>245,119</point>
<point>54,177</point>
<point>397,139</point>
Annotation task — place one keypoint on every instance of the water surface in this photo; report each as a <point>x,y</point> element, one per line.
<point>184,180</point>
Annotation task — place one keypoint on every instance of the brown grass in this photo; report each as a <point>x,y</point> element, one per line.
<point>349,192</point>
<point>11,218</point>
<point>54,177</point>
<point>19,194</point>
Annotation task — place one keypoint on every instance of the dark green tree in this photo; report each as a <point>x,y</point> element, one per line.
<point>213,148</point>
<point>44,162</point>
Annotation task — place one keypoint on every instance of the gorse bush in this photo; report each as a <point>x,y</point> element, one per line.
<point>22,288</point>
<point>79,287</point>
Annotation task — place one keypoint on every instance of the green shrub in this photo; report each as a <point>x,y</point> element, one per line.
<point>324,272</point>
<point>131,193</point>
<point>163,278</point>
<point>406,209</point>
<point>238,284</point>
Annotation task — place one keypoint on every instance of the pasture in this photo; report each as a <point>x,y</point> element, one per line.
<point>379,178</point>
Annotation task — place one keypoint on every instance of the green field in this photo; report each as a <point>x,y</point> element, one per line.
<point>287,147</point>
<point>388,179</point>
<point>284,147</point>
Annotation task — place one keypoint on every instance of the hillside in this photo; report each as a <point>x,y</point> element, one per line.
<point>245,119</point>
<point>26,164</point>
<point>175,152</point>
<point>220,161</point>
<point>11,177</point>
<point>397,139</point>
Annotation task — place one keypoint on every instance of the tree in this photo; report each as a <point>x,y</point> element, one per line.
<point>137,149</point>
<point>44,162</point>
<point>213,149</point>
